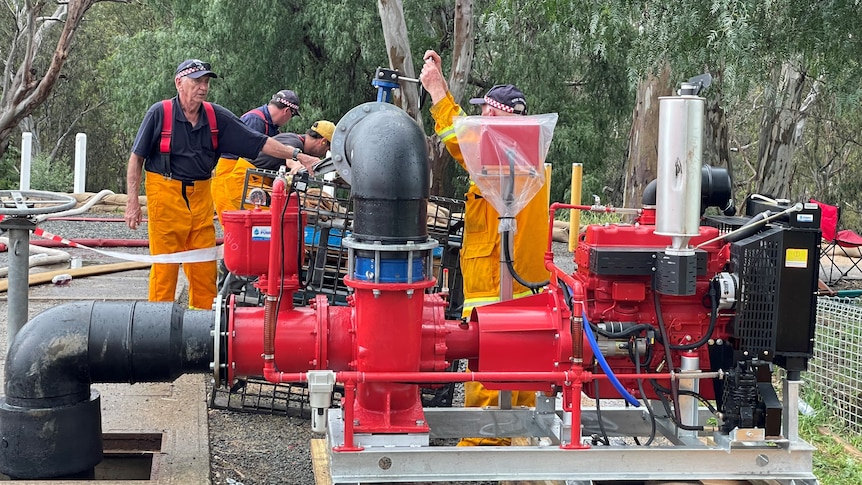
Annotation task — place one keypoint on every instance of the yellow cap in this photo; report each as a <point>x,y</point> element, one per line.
<point>325,128</point>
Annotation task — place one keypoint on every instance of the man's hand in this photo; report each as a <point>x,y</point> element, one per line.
<point>308,162</point>
<point>432,77</point>
<point>133,212</point>
<point>133,183</point>
<point>275,149</point>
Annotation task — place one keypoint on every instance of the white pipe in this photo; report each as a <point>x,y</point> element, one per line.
<point>80,163</point>
<point>41,256</point>
<point>26,159</point>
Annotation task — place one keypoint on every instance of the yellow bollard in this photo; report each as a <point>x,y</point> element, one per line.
<point>575,214</point>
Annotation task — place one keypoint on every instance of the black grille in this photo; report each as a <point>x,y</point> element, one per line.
<point>756,261</point>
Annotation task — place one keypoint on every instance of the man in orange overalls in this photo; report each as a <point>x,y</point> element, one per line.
<point>178,167</point>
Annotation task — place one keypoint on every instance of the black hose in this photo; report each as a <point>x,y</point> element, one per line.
<point>644,397</point>
<point>713,318</point>
<point>667,357</point>
<point>507,254</point>
<point>605,440</point>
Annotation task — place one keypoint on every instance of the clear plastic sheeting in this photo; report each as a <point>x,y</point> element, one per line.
<point>505,156</point>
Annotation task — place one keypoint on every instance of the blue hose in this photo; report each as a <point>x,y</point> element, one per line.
<point>605,367</point>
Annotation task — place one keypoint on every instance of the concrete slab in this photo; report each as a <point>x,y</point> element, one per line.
<point>176,411</point>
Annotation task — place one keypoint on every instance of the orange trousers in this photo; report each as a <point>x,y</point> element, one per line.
<point>180,218</point>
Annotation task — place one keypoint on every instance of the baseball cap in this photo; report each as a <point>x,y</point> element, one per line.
<point>505,97</point>
<point>324,128</point>
<point>194,68</point>
<point>287,98</point>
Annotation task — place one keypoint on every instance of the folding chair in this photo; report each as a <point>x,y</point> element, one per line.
<point>841,248</point>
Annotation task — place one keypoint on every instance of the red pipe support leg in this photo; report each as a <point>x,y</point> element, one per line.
<point>349,423</point>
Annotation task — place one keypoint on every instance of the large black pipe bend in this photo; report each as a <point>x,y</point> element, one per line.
<point>50,422</point>
<point>380,150</point>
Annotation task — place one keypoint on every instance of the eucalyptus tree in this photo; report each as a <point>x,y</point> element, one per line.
<point>547,49</point>
<point>782,56</point>
<point>327,53</point>
<point>40,36</point>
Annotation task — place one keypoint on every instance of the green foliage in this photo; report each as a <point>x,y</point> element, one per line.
<point>9,174</point>
<point>581,60</point>
<point>832,463</point>
<point>51,176</point>
<point>328,59</point>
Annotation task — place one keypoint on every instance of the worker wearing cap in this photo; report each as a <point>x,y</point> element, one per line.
<point>266,119</point>
<point>480,253</point>
<point>307,149</point>
<point>177,182</point>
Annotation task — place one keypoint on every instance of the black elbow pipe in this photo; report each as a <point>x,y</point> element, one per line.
<point>715,191</point>
<point>50,419</point>
<point>380,150</point>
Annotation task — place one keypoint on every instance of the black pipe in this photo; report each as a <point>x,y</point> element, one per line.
<point>390,179</point>
<point>715,191</point>
<point>50,418</point>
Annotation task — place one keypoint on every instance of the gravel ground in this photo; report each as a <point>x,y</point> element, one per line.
<point>245,448</point>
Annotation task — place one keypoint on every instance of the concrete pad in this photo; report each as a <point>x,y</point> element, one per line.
<point>177,411</point>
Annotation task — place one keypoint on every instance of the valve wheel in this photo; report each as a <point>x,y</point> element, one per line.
<point>34,202</point>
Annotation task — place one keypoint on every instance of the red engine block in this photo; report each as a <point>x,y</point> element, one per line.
<point>613,266</point>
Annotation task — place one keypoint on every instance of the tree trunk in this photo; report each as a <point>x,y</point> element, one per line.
<point>715,139</point>
<point>780,131</point>
<point>462,49</point>
<point>24,87</point>
<point>642,163</point>
<point>398,50</point>
<point>462,61</point>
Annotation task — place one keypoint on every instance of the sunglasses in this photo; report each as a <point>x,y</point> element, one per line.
<point>318,136</point>
<point>200,66</point>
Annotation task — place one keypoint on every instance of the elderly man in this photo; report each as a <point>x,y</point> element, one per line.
<point>480,254</point>
<point>177,145</point>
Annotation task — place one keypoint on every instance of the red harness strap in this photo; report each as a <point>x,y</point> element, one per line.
<point>211,117</point>
<point>168,121</point>
<point>259,112</point>
<point>167,124</point>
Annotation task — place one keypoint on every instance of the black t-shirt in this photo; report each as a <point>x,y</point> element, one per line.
<point>192,154</point>
<point>271,163</point>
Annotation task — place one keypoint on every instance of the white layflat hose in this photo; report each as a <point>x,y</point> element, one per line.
<point>40,256</point>
<point>79,210</point>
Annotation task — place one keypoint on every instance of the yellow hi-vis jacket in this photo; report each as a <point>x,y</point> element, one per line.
<point>480,257</point>
<point>480,251</point>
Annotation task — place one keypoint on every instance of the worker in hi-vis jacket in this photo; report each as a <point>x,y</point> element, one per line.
<point>480,252</point>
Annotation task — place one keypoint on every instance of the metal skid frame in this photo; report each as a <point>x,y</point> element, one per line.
<point>742,455</point>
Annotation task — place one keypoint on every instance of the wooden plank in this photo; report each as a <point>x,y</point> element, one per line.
<point>46,277</point>
<point>320,462</point>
